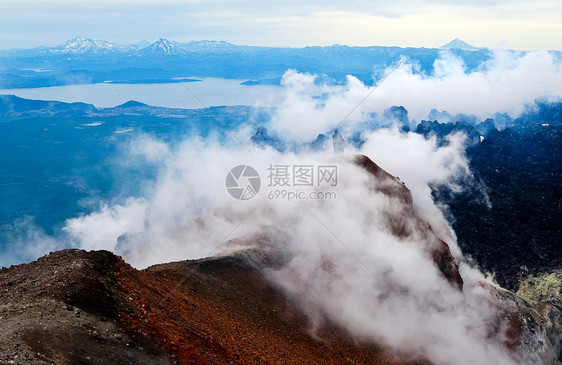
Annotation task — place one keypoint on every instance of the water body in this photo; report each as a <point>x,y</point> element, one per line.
<point>188,95</point>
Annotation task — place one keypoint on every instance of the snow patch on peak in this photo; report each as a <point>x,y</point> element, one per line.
<point>209,46</point>
<point>164,46</point>
<point>459,44</point>
<point>83,45</point>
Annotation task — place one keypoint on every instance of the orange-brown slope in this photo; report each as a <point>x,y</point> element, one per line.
<point>223,310</point>
<point>210,311</point>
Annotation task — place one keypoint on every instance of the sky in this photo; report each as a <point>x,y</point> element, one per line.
<point>426,23</point>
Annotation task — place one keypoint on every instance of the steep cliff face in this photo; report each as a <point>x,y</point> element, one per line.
<point>393,188</point>
<point>532,328</point>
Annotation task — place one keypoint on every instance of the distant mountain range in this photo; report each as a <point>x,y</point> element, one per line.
<point>87,61</point>
<point>81,45</point>
<point>84,45</point>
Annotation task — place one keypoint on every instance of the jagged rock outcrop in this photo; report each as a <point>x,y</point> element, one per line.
<point>393,187</point>
<point>547,288</point>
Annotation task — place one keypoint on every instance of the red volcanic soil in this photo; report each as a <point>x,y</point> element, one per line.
<point>77,307</point>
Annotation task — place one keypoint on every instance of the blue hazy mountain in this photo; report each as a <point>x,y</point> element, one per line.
<point>162,47</point>
<point>142,44</point>
<point>12,106</point>
<point>213,47</point>
<point>459,44</point>
<point>86,61</point>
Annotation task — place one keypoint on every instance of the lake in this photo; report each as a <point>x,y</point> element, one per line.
<point>211,92</point>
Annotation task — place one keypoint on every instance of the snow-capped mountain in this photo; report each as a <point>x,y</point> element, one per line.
<point>459,44</point>
<point>162,47</point>
<point>85,45</point>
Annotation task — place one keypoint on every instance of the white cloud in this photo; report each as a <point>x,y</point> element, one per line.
<point>100,231</point>
<point>149,148</point>
<point>506,84</point>
<point>190,213</point>
<point>27,242</point>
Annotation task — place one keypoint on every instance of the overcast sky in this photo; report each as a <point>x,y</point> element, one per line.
<point>425,23</point>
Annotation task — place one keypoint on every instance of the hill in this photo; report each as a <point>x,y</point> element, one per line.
<point>82,307</point>
<point>76,307</point>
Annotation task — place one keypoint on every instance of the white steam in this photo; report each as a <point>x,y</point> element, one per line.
<point>345,259</point>
<point>26,240</point>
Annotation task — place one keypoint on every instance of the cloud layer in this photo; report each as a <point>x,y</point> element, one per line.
<point>508,83</point>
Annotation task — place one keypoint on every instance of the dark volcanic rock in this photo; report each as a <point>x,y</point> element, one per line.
<point>393,187</point>
<point>520,232</point>
<point>65,308</point>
